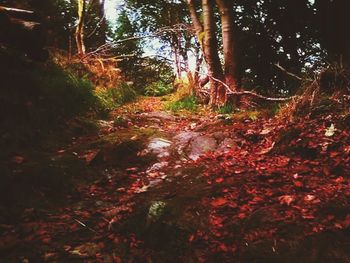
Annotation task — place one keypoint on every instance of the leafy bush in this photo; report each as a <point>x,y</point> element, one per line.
<point>158,88</point>
<point>62,92</point>
<point>187,103</point>
<point>126,93</point>
<point>42,94</point>
<point>110,98</point>
<point>225,109</point>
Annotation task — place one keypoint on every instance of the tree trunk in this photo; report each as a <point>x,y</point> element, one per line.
<point>227,24</point>
<point>175,44</point>
<point>102,25</point>
<point>79,33</point>
<point>210,46</point>
<point>198,27</point>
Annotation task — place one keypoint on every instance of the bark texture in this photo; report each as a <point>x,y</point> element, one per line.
<point>210,47</point>
<point>79,33</point>
<point>227,24</point>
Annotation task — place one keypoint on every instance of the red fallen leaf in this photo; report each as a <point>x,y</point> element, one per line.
<point>330,217</point>
<point>233,205</point>
<point>117,259</point>
<point>257,199</point>
<point>242,215</point>
<point>18,159</point>
<point>286,199</point>
<point>191,238</point>
<point>334,154</point>
<point>73,227</point>
<point>326,171</point>
<point>218,202</point>
<point>217,221</point>
<point>46,240</point>
<point>339,180</point>
<point>298,184</point>
<point>219,180</point>
<point>116,241</point>
<point>217,234</point>
<point>67,248</point>
<point>41,232</point>
<point>50,256</point>
<point>308,217</point>
<point>223,247</point>
<point>309,198</point>
<point>346,222</point>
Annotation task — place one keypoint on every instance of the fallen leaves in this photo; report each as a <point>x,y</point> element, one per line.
<point>85,250</point>
<point>218,202</point>
<point>255,191</point>
<point>330,131</point>
<point>18,159</point>
<point>286,199</point>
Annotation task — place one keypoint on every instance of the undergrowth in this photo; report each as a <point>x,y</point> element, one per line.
<point>226,109</point>
<point>38,98</point>
<point>111,98</point>
<point>329,92</point>
<point>188,103</point>
<point>158,88</point>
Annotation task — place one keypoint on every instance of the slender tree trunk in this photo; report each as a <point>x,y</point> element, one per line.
<point>230,71</point>
<point>210,46</point>
<point>176,51</point>
<point>198,27</point>
<point>103,21</point>
<point>79,33</point>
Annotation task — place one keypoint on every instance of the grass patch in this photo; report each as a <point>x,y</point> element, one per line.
<point>187,103</point>
<point>38,96</point>
<point>226,109</point>
<point>247,115</point>
<point>111,98</point>
<point>158,88</point>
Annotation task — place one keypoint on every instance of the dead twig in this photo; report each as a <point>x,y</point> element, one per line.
<point>290,73</point>
<point>84,225</point>
<point>250,93</point>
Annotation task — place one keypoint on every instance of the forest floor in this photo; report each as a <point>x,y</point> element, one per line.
<point>154,186</point>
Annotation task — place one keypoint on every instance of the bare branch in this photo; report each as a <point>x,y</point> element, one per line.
<point>288,73</point>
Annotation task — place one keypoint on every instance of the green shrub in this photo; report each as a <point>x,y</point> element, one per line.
<point>126,93</point>
<point>43,94</point>
<point>225,109</point>
<point>107,98</point>
<point>63,92</point>
<point>110,98</point>
<point>187,103</point>
<point>158,88</point>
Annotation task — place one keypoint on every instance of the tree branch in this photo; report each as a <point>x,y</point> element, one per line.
<point>287,72</point>
<point>249,93</point>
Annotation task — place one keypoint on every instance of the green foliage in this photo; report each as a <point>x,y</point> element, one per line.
<point>253,115</point>
<point>225,109</point>
<point>126,93</point>
<point>151,76</point>
<point>187,103</point>
<point>44,93</point>
<point>110,98</point>
<point>62,92</point>
<point>158,88</point>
